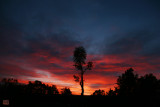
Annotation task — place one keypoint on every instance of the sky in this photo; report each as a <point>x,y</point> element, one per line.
<point>38,37</point>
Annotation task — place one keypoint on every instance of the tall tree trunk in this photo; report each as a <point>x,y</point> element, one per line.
<point>82,93</point>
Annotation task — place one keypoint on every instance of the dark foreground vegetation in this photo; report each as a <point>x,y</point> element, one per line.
<point>81,101</point>
<point>131,91</point>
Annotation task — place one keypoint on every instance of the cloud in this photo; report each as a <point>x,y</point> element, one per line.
<point>101,86</point>
<point>15,71</point>
<point>141,42</point>
<point>22,53</point>
<point>19,43</point>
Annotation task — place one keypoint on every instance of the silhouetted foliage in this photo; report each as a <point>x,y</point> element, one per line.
<point>79,57</point>
<point>130,85</point>
<point>9,87</point>
<point>147,86</point>
<point>76,78</point>
<point>111,93</point>
<point>66,91</point>
<point>54,90</point>
<point>127,83</point>
<point>9,81</point>
<point>99,93</point>
<point>38,87</point>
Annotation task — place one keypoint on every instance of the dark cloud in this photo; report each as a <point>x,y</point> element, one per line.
<point>108,65</point>
<point>97,86</point>
<point>107,73</point>
<point>135,43</point>
<point>35,51</point>
<point>16,71</point>
<point>18,43</point>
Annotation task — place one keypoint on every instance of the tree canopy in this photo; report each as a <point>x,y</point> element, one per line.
<point>79,57</point>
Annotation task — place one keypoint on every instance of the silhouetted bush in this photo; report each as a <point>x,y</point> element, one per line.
<point>10,87</point>
<point>38,87</point>
<point>111,93</point>
<point>66,91</point>
<point>99,93</point>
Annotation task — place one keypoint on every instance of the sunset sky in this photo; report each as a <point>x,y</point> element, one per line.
<point>38,37</point>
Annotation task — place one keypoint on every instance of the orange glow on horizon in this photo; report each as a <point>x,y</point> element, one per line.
<point>104,74</point>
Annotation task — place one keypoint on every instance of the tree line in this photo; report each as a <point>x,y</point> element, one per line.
<point>11,87</point>
<point>130,84</point>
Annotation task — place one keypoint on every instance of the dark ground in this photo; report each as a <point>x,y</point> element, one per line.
<point>78,101</point>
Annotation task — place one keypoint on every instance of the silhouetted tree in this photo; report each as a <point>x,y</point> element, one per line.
<point>10,87</point>
<point>37,87</point>
<point>147,85</point>
<point>9,81</point>
<point>79,58</point>
<point>111,92</point>
<point>130,85</point>
<point>99,93</point>
<point>66,91</point>
<point>127,83</point>
<point>53,89</point>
